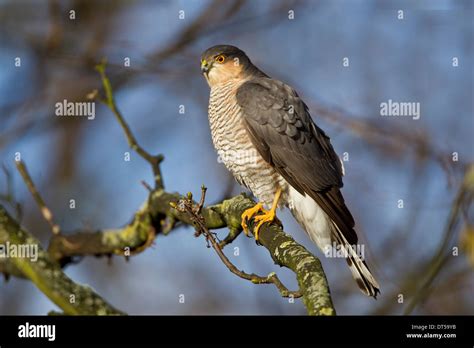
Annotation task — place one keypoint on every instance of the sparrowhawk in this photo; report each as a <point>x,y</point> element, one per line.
<point>265,136</point>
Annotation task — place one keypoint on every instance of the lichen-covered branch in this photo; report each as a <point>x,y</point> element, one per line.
<point>131,239</point>
<point>47,275</point>
<point>283,249</point>
<point>194,212</point>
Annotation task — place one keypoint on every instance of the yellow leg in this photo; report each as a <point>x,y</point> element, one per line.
<point>267,216</point>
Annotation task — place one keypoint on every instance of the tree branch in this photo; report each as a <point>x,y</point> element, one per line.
<point>132,141</point>
<point>463,200</point>
<point>45,211</point>
<point>129,240</point>
<point>151,217</point>
<point>194,212</point>
<point>282,247</point>
<point>47,275</point>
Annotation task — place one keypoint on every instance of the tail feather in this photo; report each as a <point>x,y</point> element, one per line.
<point>359,269</point>
<point>323,231</point>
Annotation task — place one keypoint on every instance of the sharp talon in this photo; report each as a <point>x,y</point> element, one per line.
<point>245,227</point>
<point>248,214</point>
<point>268,216</point>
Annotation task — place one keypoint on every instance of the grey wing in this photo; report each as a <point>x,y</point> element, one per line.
<point>284,134</point>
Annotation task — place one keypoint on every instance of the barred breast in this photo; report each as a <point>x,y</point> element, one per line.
<point>235,149</point>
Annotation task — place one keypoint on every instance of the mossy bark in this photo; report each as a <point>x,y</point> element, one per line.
<point>283,249</point>
<point>140,232</point>
<point>47,275</point>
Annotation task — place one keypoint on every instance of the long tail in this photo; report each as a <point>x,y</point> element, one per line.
<point>360,270</point>
<point>323,232</point>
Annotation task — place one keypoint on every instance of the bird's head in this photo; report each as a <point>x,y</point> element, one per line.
<point>222,63</point>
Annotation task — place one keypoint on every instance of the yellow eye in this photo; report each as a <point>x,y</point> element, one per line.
<point>220,58</point>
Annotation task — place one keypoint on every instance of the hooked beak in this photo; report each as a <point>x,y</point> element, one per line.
<point>205,66</point>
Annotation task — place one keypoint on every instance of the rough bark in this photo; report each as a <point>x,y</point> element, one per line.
<point>150,220</point>
<point>48,276</point>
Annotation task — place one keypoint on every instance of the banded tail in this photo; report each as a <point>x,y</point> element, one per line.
<point>323,232</point>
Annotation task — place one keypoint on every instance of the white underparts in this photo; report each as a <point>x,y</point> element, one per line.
<point>311,217</point>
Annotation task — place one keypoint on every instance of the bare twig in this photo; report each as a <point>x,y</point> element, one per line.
<point>132,141</point>
<point>186,205</point>
<point>45,211</point>
<point>9,195</point>
<point>145,185</point>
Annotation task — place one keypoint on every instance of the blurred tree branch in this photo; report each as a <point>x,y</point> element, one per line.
<point>45,211</point>
<point>47,275</point>
<point>463,200</point>
<point>392,140</point>
<point>418,283</point>
<point>132,142</point>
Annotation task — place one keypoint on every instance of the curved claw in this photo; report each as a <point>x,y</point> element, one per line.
<point>248,214</point>
<point>268,216</point>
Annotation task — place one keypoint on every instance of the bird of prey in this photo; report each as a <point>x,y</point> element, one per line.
<point>265,136</point>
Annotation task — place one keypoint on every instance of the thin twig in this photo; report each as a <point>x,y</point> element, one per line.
<point>9,196</point>
<point>145,184</point>
<point>201,201</point>
<point>45,211</point>
<point>186,205</point>
<point>132,141</point>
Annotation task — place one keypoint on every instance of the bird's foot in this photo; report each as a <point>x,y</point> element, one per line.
<point>248,214</point>
<point>267,216</point>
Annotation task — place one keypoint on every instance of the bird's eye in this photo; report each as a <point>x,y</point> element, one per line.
<point>220,58</point>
